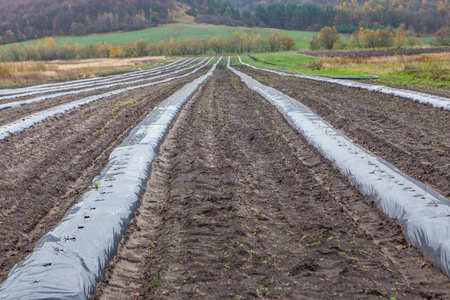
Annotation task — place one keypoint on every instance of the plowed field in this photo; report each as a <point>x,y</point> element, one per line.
<point>45,169</point>
<point>238,204</point>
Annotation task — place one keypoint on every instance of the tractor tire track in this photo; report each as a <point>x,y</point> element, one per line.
<point>240,206</point>
<point>45,169</point>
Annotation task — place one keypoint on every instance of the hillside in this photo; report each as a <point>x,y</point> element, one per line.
<point>22,20</point>
<point>29,19</point>
<point>179,32</point>
<point>421,16</point>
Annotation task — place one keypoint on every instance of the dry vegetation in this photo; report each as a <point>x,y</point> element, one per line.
<point>179,13</point>
<point>403,59</point>
<point>25,72</point>
<point>435,63</point>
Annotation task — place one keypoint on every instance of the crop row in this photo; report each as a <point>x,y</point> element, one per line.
<point>104,213</point>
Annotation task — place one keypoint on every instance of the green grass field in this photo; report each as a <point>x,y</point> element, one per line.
<point>164,33</point>
<point>418,74</point>
<point>179,32</point>
<point>289,60</point>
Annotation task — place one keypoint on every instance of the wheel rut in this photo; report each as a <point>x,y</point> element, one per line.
<point>240,206</point>
<point>45,169</point>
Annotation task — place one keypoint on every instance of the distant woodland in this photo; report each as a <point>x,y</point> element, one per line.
<point>28,19</point>
<point>421,16</point>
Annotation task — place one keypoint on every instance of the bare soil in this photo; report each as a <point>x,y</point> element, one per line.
<point>240,206</point>
<point>26,73</point>
<point>412,136</point>
<point>45,169</point>
<point>12,114</point>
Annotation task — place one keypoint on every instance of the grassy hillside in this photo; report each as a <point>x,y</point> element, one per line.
<point>178,32</point>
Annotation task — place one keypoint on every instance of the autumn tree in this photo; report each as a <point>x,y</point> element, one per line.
<point>240,41</point>
<point>412,41</point>
<point>287,42</point>
<point>172,46</point>
<point>260,44</point>
<point>79,51</point>
<point>15,52</point>
<point>78,29</point>
<point>185,47</point>
<point>115,51</point>
<point>274,41</point>
<point>50,47</point>
<point>368,38</point>
<point>328,37</point>
<point>199,47</point>
<point>400,37</point>
<point>443,36</point>
<point>314,43</point>
<point>130,50</point>
<point>305,42</point>
<point>216,43</point>
<point>142,48</point>
<point>158,49</point>
<point>32,53</point>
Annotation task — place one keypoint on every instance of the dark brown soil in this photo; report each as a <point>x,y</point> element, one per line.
<point>412,136</point>
<point>45,169</point>
<point>375,53</point>
<point>11,114</point>
<point>239,206</point>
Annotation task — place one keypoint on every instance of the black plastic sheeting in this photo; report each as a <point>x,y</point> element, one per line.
<point>436,101</point>
<point>28,121</point>
<point>422,212</point>
<point>68,261</point>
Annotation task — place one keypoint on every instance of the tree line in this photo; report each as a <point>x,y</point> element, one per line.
<point>329,38</point>
<point>425,16</point>
<point>240,42</point>
<point>29,19</point>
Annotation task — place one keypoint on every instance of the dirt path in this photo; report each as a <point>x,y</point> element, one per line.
<point>412,136</point>
<point>239,206</point>
<point>45,169</point>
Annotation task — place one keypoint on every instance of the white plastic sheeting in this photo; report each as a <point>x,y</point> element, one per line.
<point>423,213</point>
<point>68,261</point>
<point>435,101</point>
<point>28,121</point>
<point>111,84</point>
<point>89,81</point>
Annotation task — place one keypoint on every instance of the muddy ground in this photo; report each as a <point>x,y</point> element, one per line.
<point>240,206</point>
<point>45,169</point>
<point>412,136</point>
<point>12,114</point>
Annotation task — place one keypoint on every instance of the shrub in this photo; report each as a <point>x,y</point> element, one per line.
<point>443,36</point>
<point>287,43</point>
<point>367,38</point>
<point>412,41</point>
<point>328,37</point>
<point>314,44</point>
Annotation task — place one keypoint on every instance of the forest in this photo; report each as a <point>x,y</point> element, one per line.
<point>29,19</point>
<point>422,16</point>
